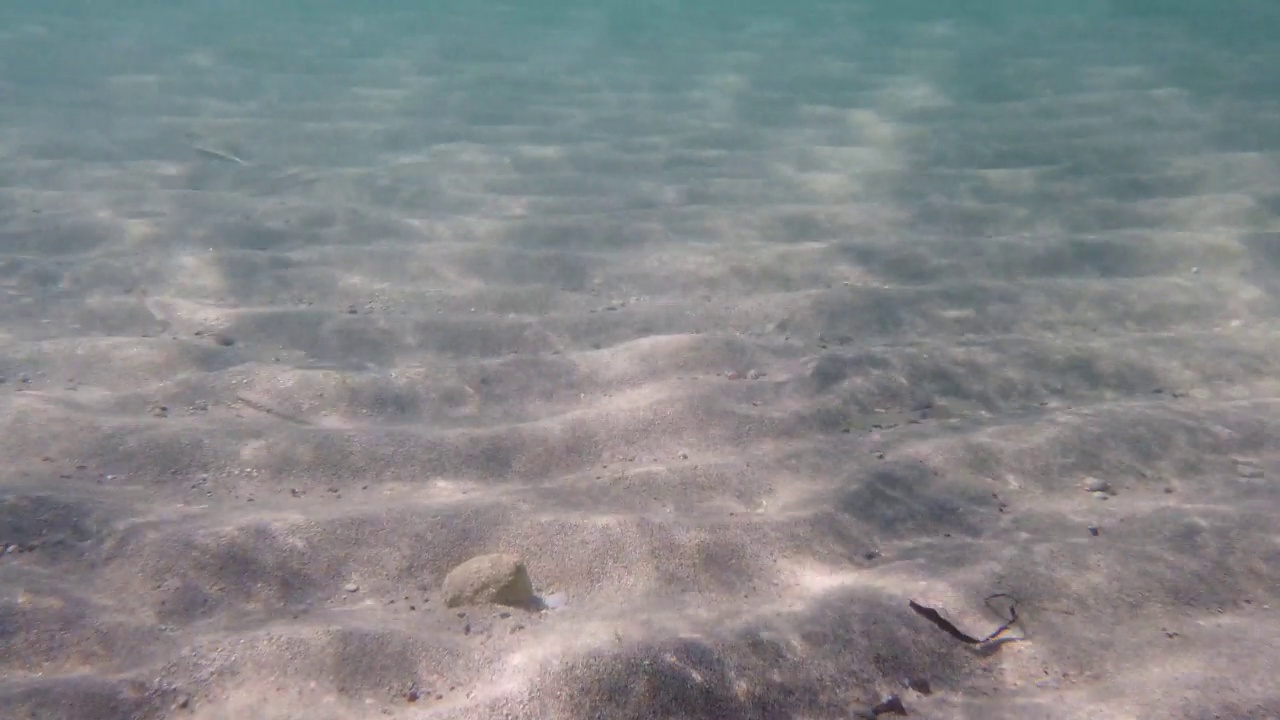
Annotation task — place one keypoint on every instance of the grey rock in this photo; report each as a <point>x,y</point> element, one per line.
<point>498,579</point>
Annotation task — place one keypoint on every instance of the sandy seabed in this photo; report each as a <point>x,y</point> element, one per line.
<point>742,346</point>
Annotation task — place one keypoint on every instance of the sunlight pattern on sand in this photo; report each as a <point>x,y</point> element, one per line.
<point>740,326</point>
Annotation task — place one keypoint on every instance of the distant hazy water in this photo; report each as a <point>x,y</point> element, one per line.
<point>1099,89</point>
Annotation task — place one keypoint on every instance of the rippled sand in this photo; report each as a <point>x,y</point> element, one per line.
<point>741,344</point>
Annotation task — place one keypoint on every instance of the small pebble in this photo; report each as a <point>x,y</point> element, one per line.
<point>891,705</point>
<point>554,601</point>
<point>1097,485</point>
<point>351,587</point>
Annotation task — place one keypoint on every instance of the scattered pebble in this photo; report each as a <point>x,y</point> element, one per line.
<point>351,587</point>
<point>891,705</point>
<point>1098,485</point>
<point>554,601</point>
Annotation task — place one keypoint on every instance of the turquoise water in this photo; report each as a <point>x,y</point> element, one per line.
<point>960,120</point>
<point>1096,90</point>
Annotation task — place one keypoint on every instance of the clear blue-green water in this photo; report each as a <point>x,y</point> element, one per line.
<point>1087,96</point>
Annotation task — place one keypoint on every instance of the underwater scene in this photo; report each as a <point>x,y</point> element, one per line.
<point>639,360</point>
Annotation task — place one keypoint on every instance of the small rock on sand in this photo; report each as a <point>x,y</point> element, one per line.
<point>498,579</point>
<point>1098,485</point>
